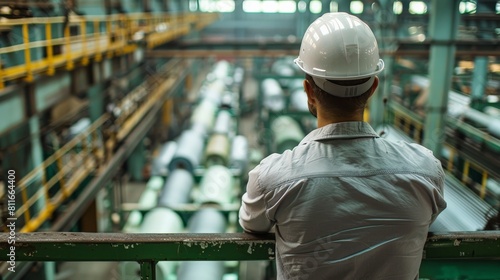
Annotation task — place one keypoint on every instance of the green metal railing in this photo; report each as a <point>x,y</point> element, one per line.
<point>453,253</point>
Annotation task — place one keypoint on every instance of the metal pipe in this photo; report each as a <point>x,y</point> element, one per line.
<point>189,151</point>
<point>287,133</point>
<point>217,152</point>
<point>205,220</point>
<point>165,155</point>
<point>177,188</point>
<point>216,186</point>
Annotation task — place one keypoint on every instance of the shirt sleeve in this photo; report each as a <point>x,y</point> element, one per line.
<point>252,215</point>
<point>440,203</point>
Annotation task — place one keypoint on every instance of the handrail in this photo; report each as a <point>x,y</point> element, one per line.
<point>148,249</point>
<point>87,151</point>
<point>110,34</point>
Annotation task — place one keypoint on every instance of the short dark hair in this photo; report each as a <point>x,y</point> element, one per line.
<point>340,105</point>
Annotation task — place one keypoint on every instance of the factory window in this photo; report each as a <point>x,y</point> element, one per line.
<point>287,6</point>
<point>356,7</point>
<point>397,7</point>
<point>334,7</point>
<point>269,6</point>
<point>417,8</point>
<point>315,6</point>
<point>223,6</point>
<point>252,6</point>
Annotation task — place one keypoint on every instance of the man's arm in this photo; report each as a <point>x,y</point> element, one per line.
<point>252,213</point>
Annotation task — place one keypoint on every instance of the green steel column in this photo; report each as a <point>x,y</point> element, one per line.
<point>325,6</point>
<point>148,270</point>
<point>344,6</point>
<point>480,74</point>
<point>96,101</point>
<point>136,161</point>
<point>479,80</point>
<point>442,30</point>
<point>36,158</point>
<point>383,31</point>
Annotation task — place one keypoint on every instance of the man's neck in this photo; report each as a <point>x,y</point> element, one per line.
<point>326,120</point>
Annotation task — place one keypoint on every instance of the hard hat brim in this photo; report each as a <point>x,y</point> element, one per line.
<point>319,73</point>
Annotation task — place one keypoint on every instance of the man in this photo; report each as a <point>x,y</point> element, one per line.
<point>345,203</point>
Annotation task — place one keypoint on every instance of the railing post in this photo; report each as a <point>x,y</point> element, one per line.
<point>50,51</point>
<point>148,270</point>
<point>465,172</point>
<point>27,53</point>
<point>484,180</point>
<point>450,159</point>
<point>67,37</point>
<point>97,38</point>
<point>83,30</point>
<point>2,84</point>
<point>109,33</point>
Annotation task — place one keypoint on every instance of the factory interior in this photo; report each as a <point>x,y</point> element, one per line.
<point>145,117</point>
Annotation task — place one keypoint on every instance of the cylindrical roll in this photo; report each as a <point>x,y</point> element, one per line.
<point>189,151</point>
<point>133,222</point>
<point>223,123</point>
<point>177,188</point>
<point>239,153</point>
<point>492,124</point>
<point>217,152</point>
<point>161,162</point>
<point>147,200</point>
<point>155,183</point>
<point>221,69</point>
<point>206,220</point>
<point>492,111</point>
<point>204,114</point>
<point>287,133</point>
<point>273,96</point>
<point>161,220</point>
<point>216,186</point>
<point>298,100</point>
<point>494,127</point>
<point>158,220</point>
<point>213,92</point>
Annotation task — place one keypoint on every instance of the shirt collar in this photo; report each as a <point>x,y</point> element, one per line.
<point>343,130</point>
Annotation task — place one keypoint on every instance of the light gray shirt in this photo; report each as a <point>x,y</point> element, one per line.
<point>346,204</point>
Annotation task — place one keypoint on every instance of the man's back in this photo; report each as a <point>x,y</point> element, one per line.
<point>347,204</point>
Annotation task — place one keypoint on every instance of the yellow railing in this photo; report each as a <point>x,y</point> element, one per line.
<point>82,156</point>
<point>412,126</point>
<point>97,36</point>
<point>75,161</point>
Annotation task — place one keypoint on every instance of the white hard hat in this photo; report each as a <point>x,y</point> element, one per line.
<point>339,46</point>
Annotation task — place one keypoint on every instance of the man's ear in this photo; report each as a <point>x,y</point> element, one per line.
<point>374,86</point>
<point>311,98</point>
